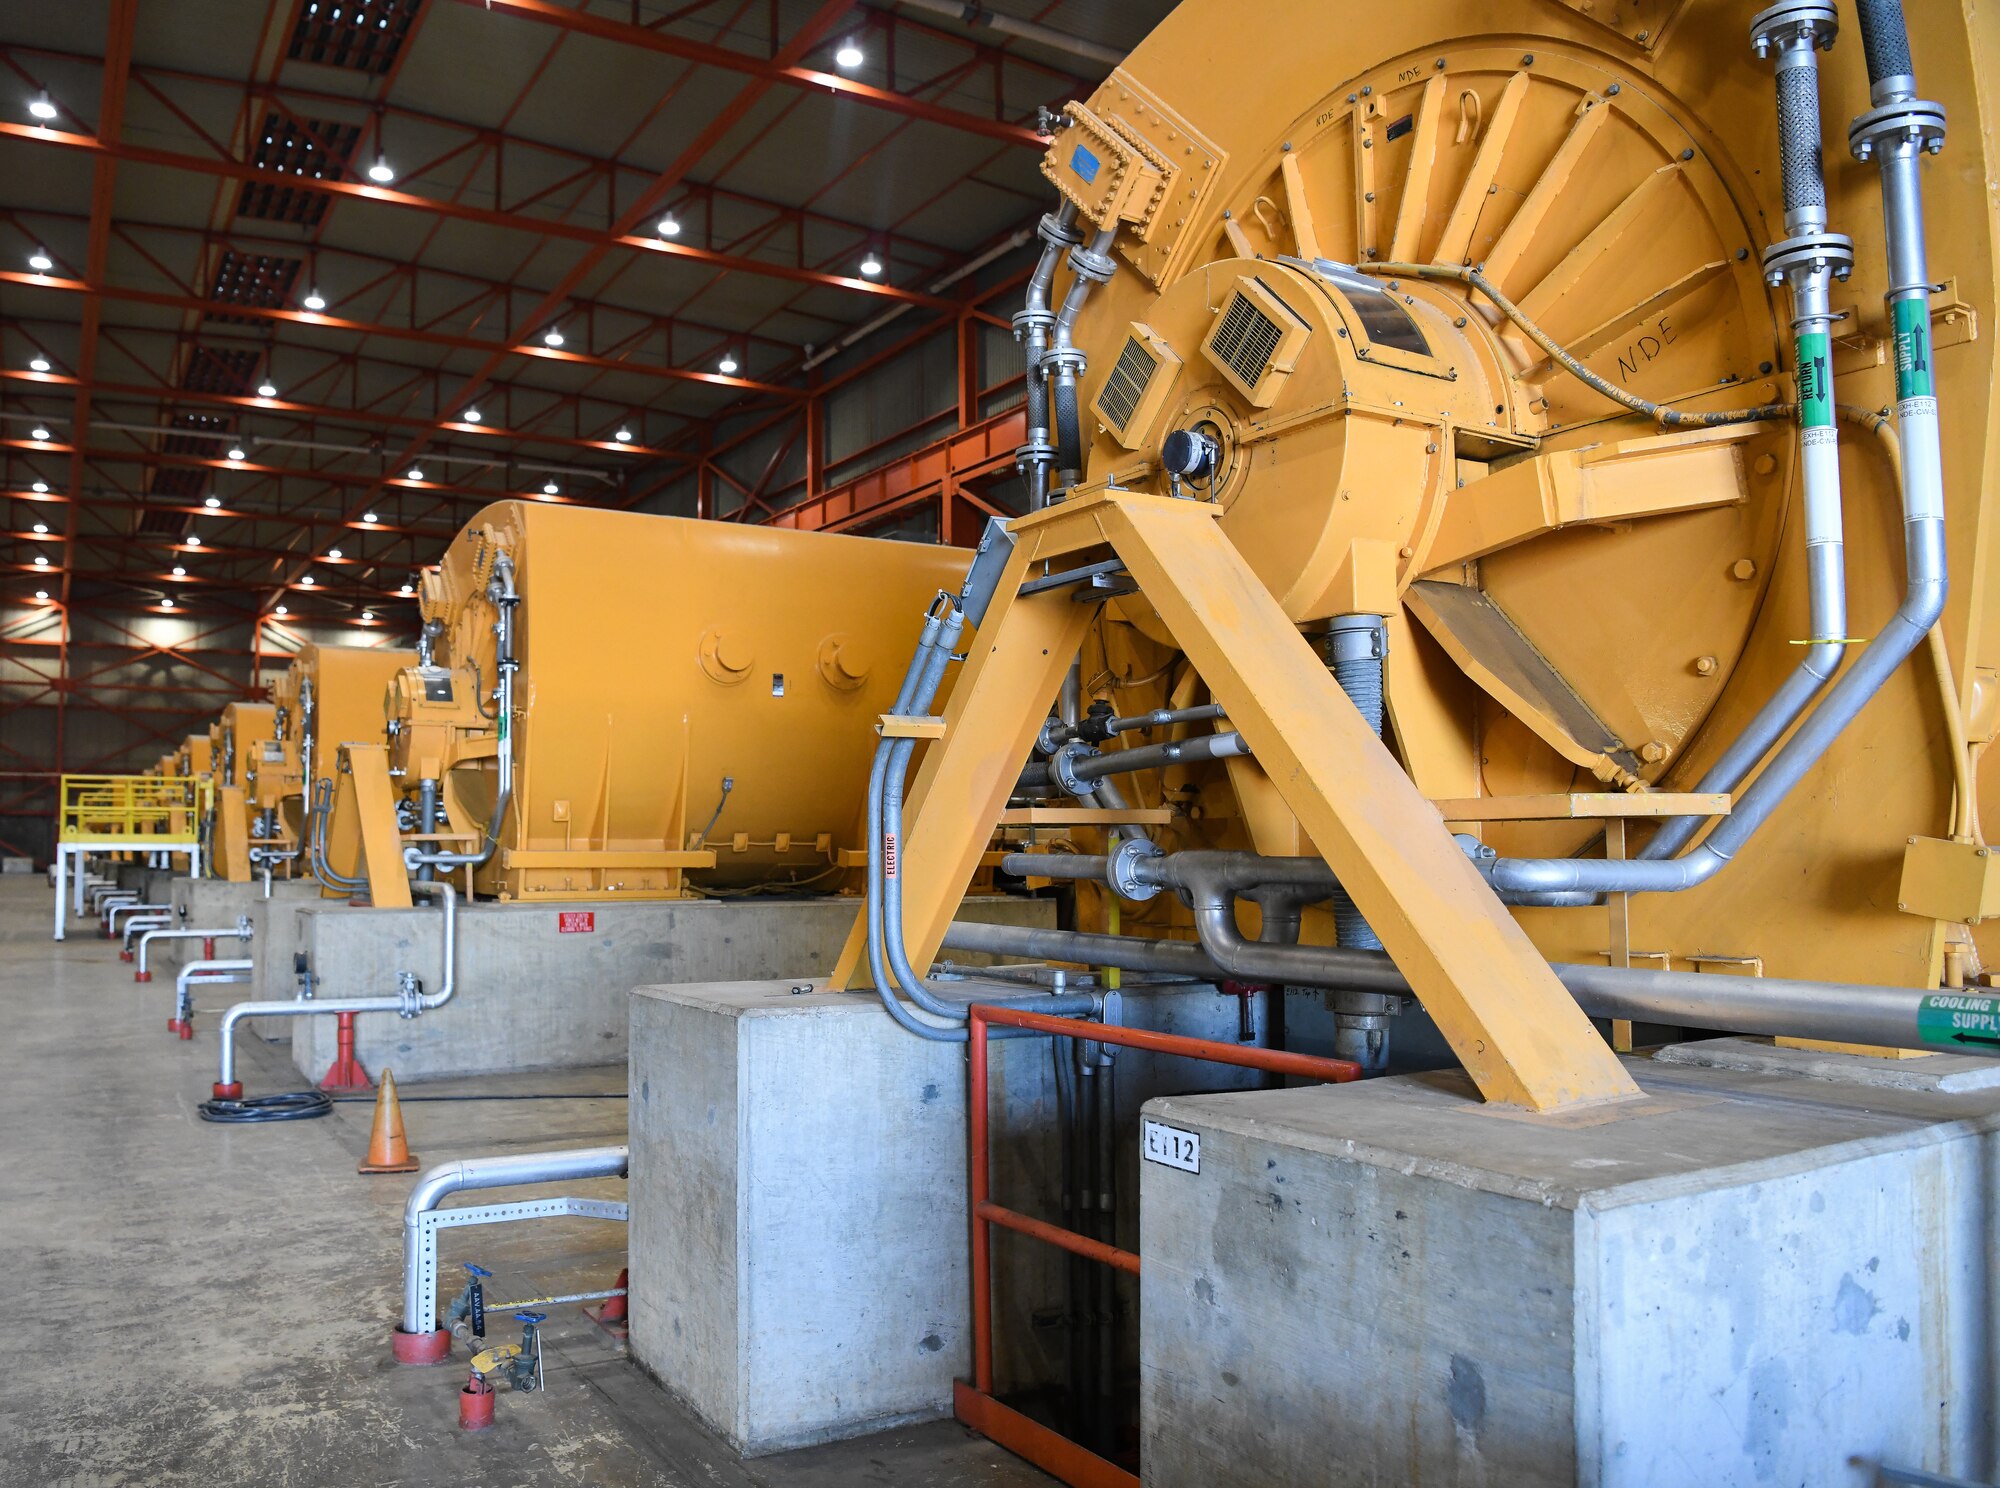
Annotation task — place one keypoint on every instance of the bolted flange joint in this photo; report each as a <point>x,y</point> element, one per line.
<point>1812,253</point>
<point>1062,768</point>
<point>1123,872</point>
<point>1814,21</point>
<point>1057,233</point>
<point>1917,122</point>
<point>1096,267</point>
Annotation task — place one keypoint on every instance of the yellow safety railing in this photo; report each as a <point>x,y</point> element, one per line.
<point>145,810</point>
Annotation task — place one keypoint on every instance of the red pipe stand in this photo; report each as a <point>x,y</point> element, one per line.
<point>346,1072</point>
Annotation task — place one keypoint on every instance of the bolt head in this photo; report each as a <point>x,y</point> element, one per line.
<point>1864,150</point>
<point>1934,145</point>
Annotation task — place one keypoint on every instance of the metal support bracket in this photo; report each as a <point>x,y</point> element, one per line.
<point>484,1214</point>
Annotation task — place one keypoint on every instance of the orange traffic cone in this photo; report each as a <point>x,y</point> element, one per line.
<point>388,1149</point>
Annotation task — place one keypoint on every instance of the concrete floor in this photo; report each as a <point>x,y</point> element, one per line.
<point>195,1304</point>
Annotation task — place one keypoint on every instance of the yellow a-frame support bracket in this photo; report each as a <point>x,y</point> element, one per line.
<point>1518,1033</point>
<point>374,802</point>
<point>231,842</point>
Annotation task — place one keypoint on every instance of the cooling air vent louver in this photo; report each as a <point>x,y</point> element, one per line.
<point>1129,401</point>
<point>1256,341</point>
<point>1245,340</point>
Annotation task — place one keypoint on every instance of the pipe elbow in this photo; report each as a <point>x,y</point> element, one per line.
<point>432,1187</point>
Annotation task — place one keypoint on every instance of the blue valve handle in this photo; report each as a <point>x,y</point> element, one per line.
<point>477,1270</point>
<point>531,1317</point>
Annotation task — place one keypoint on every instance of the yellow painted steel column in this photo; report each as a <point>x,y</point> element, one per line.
<point>1519,1034</point>
<point>375,814</point>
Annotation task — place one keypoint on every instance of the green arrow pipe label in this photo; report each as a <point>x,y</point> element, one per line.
<point>1967,1020</point>
<point>1913,350</point>
<point>1815,381</point>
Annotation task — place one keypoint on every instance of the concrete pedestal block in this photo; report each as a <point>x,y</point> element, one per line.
<point>1750,1278</point>
<point>544,986</point>
<point>798,1239</point>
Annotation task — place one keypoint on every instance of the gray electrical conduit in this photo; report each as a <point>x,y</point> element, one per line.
<point>887,951</point>
<point>436,1184</point>
<point>1839,1011</point>
<point>316,858</point>
<point>409,1003</point>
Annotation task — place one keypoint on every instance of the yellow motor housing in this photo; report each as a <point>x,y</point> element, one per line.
<point>694,704</point>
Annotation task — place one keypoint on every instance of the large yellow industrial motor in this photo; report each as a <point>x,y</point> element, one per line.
<point>242,742</point>
<point>692,702</point>
<point>1578,598</point>
<point>328,696</point>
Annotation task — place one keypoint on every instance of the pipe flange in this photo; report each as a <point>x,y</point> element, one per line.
<point>1357,637</point>
<point>1058,233</point>
<point>1123,871</point>
<point>1028,320</point>
<point>1096,267</point>
<point>1809,253</point>
<point>1062,768</point>
<point>1034,452</point>
<point>1793,20</point>
<point>1919,121</point>
<point>1060,360</point>
<point>1050,739</point>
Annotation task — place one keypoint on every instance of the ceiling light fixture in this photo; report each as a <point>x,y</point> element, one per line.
<point>369,517</point>
<point>281,610</point>
<point>314,300</point>
<point>41,487</point>
<point>41,528</point>
<point>380,172</point>
<point>41,561</point>
<point>306,582</point>
<point>267,389</point>
<point>416,473</point>
<point>213,503</point>
<point>333,553</point>
<point>850,55</point>
<point>871,265</point>
<point>40,261</point>
<point>727,364</point>
<point>41,432</point>
<point>550,488</point>
<point>471,416</point>
<point>552,337</point>
<point>623,436</point>
<point>179,571</point>
<point>42,594</point>
<point>42,106</point>
<point>38,364</point>
<point>236,452</point>
<point>193,540</point>
<point>166,604</point>
<point>367,617</point>
<point>670,226</point>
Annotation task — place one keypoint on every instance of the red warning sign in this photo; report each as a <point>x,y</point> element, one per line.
<point>576,921</point>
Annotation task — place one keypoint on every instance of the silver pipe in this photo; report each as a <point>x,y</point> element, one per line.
<point>500,593</point>
<point>1844,1012</point>
<point>439,1183</point>
<point>408,1003</point>
<point>978,17</point>
<point>1809,259</point>
<point>1087,765</point>
<point>1924,560</point>
<point>1032,326</point>
<point>141,923</point>
<point>209,974</point>
<point>316,827</point>
<point>937,286</point>
<point>241,932</point>
<point>111,919</point>
<point>1089,267</point>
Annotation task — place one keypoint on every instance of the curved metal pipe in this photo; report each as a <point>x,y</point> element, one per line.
<point>1840,1011</point>
<point>408,1003</point>
<point>436,1184</point>
<point>241,932</point>
<point>316,859</point>
<point>111,918</point>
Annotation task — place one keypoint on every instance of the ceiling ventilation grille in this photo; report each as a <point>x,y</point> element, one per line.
<point>213,369</point>
<point>363,36</point>
<point>311,148</point>
<point>262,280</point>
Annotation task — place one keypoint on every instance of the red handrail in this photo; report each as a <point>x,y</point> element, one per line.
<point>975,1403</point>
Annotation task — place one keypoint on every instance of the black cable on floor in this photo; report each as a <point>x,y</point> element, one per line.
<point>292,1105</point>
